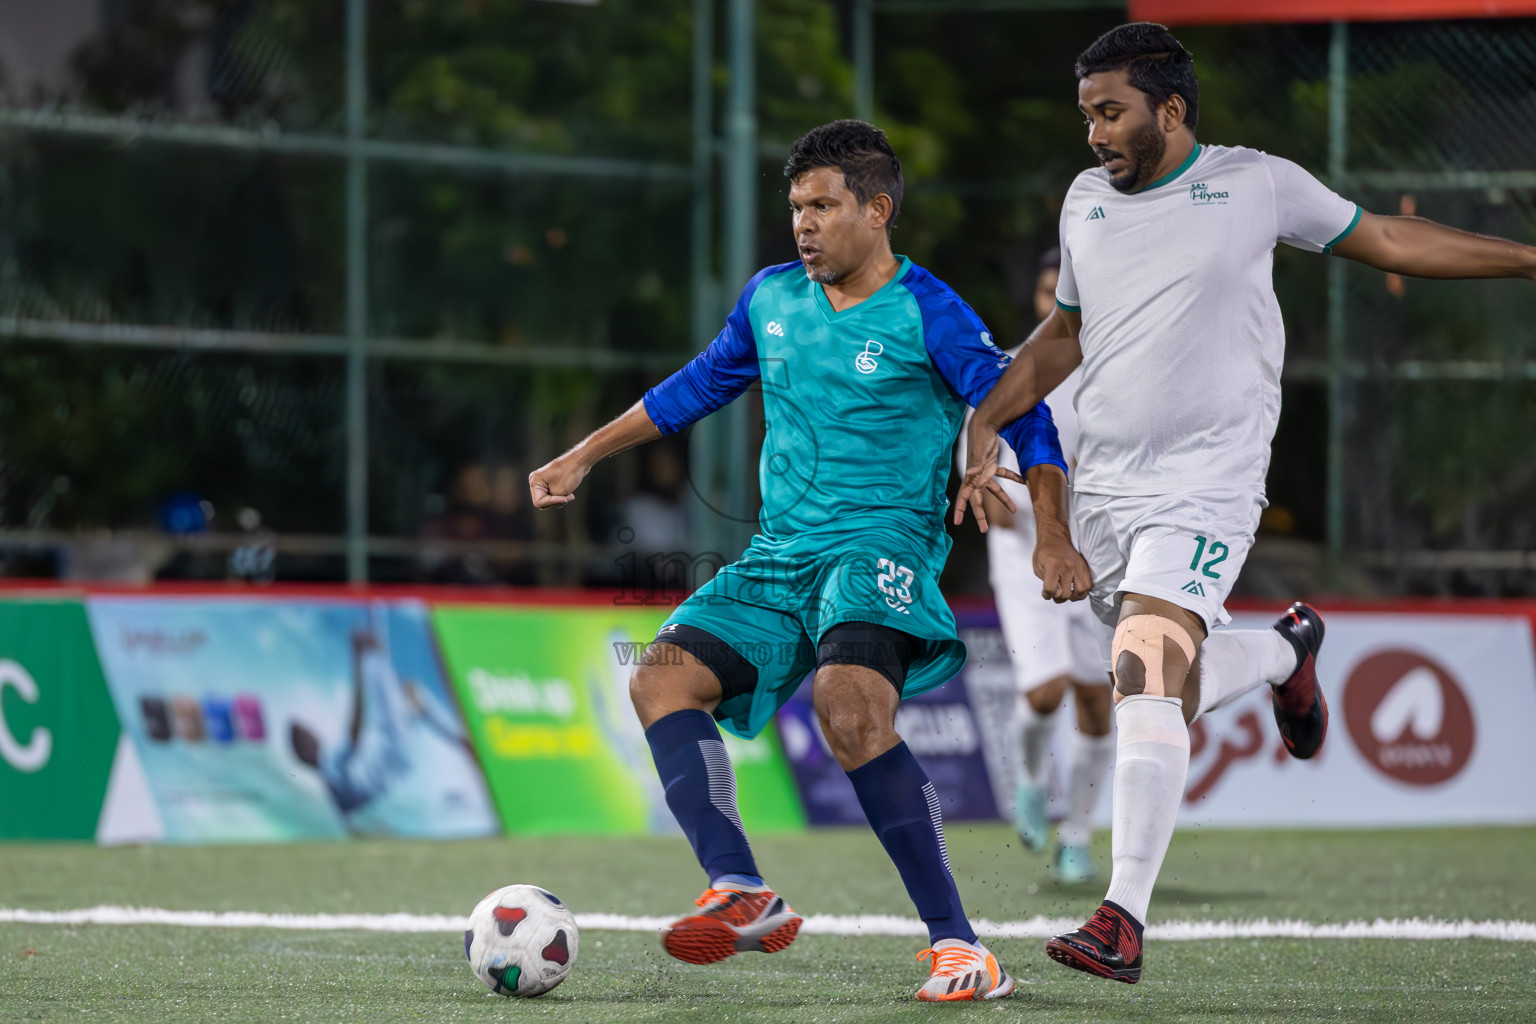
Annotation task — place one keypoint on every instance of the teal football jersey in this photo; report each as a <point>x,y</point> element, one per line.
<point>862,405</point>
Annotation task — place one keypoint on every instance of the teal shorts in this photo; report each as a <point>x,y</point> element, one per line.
<point>773,606</point>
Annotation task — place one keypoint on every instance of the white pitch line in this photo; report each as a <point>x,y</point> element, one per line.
<point>815,924</point>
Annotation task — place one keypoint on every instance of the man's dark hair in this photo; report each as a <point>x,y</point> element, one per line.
<point>860,151</point>
<point>1049,260</point>
<point>1156,63</point>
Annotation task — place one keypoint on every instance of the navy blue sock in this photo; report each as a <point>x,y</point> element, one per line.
<point>701,790</point>
<point>903,809</point>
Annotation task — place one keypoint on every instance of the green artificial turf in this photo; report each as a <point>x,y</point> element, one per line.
<point>134,973</point>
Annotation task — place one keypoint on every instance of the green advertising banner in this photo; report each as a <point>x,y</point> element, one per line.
<point>58,730</point>
<point>545,693</point>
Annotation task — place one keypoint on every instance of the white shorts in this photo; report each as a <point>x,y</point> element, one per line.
<point>1045,640</point>
<point>1186,549</point>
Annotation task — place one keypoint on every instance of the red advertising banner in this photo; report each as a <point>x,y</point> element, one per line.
<point>1218,12</point>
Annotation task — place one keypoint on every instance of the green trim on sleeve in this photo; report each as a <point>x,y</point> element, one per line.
<point>1069,309</point>
<point>1353,223</point>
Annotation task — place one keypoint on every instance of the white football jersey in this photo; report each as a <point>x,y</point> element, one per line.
<point>1182,338</point>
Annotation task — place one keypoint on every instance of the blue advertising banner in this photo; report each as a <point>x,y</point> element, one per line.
<point>939,726</point>
<point>267,720</point>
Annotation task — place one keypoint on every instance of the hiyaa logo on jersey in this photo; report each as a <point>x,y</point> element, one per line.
<point>1097,213</point>
<point>775,328</point>
<point>1200,194</point>
<point>865,361</point>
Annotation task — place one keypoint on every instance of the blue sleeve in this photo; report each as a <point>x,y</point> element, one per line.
<point>962,350</point>
<point>714,377</point>
<point>1033,439</point>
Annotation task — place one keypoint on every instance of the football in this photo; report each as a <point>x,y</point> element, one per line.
<point>521,941</point>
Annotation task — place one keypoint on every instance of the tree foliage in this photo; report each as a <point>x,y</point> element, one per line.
<point>980,106</point>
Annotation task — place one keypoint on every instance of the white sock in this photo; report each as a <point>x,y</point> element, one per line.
<point>1035,732</point>
<point>1090,760</point>
<point>1235,661</point>
<point>1151,763</point>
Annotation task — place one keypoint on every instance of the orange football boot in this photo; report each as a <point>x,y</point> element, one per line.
<point>732,921</point>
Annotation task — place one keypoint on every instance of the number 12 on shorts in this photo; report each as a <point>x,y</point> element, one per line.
<point>1218,552</point>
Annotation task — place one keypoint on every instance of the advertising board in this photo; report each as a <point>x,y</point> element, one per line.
<point>1429,720</point>
<point>257,719</point>
<point>546,695</point>
<point>940,727</point>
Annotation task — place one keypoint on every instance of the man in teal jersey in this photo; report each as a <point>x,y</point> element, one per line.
<point>867,363</point>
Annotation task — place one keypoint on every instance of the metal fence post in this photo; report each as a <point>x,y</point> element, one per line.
<point>357,295</point>
<point>705,309</point>
<point>864,60</point>
<point>703,443</point>
<point>740,216</point>
<point>1338,398</point>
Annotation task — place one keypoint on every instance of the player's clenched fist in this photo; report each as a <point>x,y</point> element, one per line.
<point>554,483</point>
<point>1063,573</point>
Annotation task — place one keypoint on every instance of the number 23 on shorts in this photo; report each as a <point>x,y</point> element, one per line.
<point>1218,552</point>
<point>894,581</point>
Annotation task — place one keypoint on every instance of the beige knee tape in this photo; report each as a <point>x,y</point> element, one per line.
<point>1143,635</point>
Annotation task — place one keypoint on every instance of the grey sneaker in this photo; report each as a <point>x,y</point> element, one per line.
<point>1029,816</point>
<point>1072,864</point>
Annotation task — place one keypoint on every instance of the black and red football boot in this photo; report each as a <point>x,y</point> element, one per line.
<point>1301,710</point>
<point>1108,946</point>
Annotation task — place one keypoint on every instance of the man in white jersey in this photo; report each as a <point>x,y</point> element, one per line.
<point>1054,645</point>
<point>1166,300</point>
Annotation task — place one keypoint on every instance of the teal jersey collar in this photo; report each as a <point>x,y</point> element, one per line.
<point>1189,162</point>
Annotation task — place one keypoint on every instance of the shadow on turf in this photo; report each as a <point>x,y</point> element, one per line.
<point>1171,894</point>
<point>1165,895</point>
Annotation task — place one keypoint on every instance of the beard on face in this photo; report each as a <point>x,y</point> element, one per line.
<point>826,273</point>
<point>1144,151</point>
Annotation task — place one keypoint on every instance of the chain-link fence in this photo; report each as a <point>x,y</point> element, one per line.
<point>302,289</point>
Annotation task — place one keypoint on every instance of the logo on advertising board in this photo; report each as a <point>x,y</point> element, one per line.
<point>33,754</point>
<point>1409,717</point>
<point>58,730</point>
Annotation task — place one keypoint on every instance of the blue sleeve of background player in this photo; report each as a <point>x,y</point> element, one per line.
<point>714,377</point>
<point>962,349</point>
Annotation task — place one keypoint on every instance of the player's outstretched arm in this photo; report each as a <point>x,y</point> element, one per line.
<point>711,379</point>
<point>1064,574</point>
<point>1416,247</point>
<point>554,483</point>
<point>1051,353</point>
